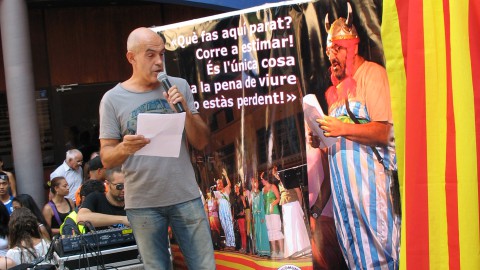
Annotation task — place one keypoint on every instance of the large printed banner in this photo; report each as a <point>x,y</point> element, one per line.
<point>249,72</point>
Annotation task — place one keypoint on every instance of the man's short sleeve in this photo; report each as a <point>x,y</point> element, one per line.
<point>109,125</point>
<point>373,86</point>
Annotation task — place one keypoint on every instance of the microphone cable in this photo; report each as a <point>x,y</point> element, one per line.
<point>90,247</point>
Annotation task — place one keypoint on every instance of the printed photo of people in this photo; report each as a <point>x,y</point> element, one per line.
<point>280,184</point>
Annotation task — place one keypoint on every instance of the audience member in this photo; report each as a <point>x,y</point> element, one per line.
<point>95,171</point>
<point>26,201</point>
<point>25,241</point>
<point>86,166</point>
<point>11,178</point>
<point>4,218</point>
<point>58,208</point>
<point>4,194</point>
<point>71,169</point>
<point>104,210</point>
<point>70,225</point>
<point>89,187</point>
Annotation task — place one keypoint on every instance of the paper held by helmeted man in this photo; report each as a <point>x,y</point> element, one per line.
<point>312,111</point>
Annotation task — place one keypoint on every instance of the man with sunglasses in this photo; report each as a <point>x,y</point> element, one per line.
<point>106,210</point>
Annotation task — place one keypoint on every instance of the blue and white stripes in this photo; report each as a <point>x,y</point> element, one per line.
<point>367,229</point>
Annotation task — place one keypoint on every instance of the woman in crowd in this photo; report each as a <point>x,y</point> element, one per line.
<point>224,211</point>
<point>274,223</point>
<point>297,241</point>
<point>25,200</point>
<point>4,218</point>
<point>212,211</point>
<point>262,246</point>
<point>58,208</point>
<point>239,215</point>
<point>25,241</point>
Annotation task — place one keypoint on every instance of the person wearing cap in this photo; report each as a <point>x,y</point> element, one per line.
<point>104,210</point>
<point>5,196</point>
<point>86,166</point>
<point>96,171</point>
<point>11,179</point>
<point>360,115</point>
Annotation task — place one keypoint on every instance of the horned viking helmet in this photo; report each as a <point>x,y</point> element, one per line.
<point>341,29</point>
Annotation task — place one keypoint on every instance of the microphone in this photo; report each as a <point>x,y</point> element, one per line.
<point>162,77</point>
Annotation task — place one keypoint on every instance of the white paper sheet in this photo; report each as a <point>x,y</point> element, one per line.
<point>313,111</point>
<point>164,131</point>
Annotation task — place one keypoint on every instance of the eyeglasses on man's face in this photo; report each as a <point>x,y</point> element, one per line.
<point>334,49</point>
<point>119,186</point>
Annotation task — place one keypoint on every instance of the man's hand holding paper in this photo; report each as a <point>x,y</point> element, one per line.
<point>331,126</point>
<point>133,143</point>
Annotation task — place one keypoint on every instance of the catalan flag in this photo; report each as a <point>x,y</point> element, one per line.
<point>432,50</point>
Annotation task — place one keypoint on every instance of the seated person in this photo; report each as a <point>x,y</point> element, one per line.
<point>25,241</point>
<point>104,210</point>
<point>27,201</point>
<point>70,226</point>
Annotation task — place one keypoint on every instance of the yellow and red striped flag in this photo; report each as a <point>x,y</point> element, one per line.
<point>432,50</point>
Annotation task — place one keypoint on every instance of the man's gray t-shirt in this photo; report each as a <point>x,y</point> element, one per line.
<point>149,181</point>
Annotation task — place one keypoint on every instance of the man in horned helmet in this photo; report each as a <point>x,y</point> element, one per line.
<point>363,161</point>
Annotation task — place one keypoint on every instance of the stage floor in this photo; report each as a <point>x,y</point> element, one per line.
<point>235,260</point>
